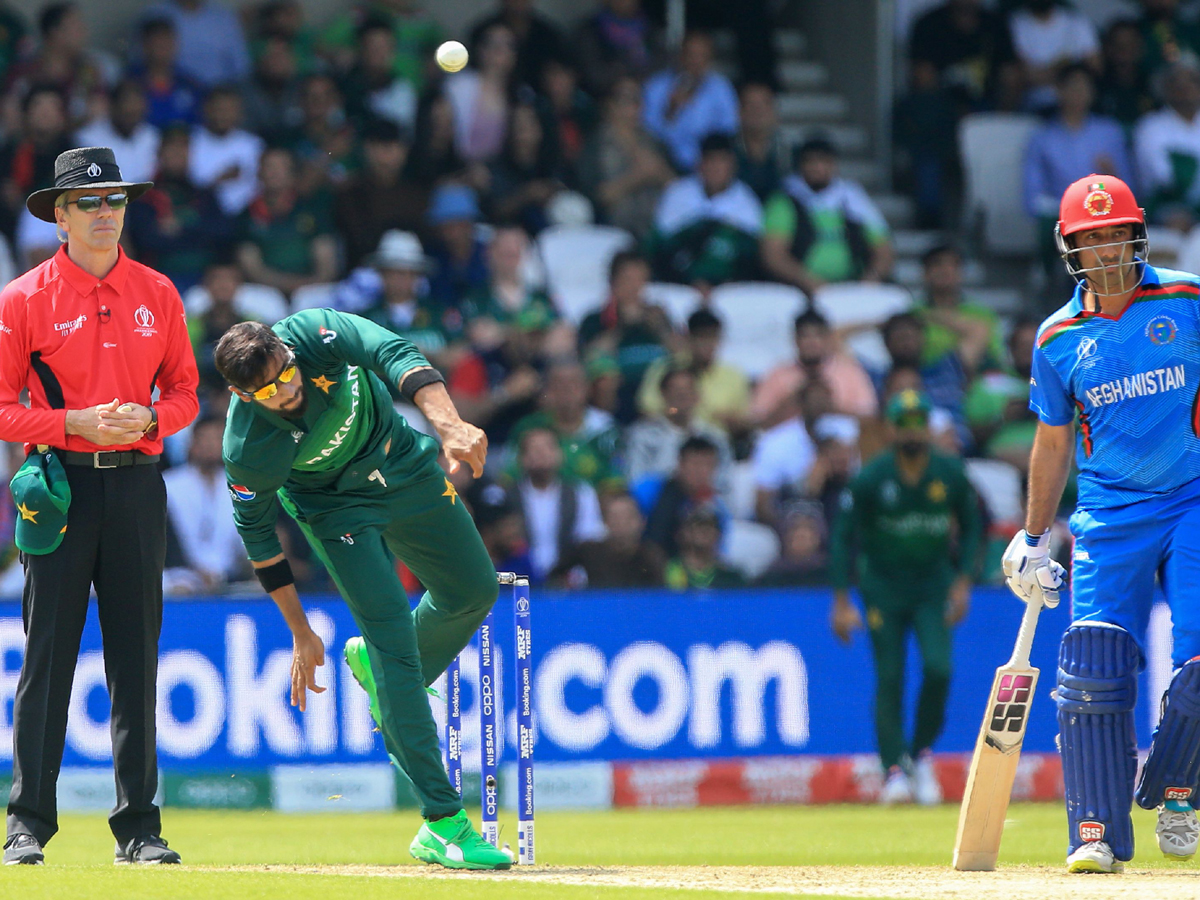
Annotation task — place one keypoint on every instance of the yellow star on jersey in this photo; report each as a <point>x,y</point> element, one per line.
<point>29,515</point>
<point>323,383</point>
<point>450,492</point>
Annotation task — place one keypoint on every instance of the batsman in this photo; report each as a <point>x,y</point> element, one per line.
<point>1115,379</point>
<point>313,424</point>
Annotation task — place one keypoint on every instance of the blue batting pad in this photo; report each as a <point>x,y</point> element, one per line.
<point>1172,770</point>
<point>1097,689</point>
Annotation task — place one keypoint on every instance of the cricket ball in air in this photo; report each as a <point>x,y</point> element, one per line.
<point>451,56</point>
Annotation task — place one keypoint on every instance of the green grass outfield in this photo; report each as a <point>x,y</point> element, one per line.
<point>322,852</point>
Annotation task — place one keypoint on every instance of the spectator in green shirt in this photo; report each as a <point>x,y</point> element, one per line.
<point>707,225</point>
<point>821,228</point>
<point>626,326</point>
<point>402,304</point>
<point>997,405</point>
<point>697,566</point>
<point>286,239</point>
<point>588,436</point>
<point>417,36</point>
<point>953,324</point>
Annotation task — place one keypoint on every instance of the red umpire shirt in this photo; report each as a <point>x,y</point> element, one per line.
<point>77,341</point>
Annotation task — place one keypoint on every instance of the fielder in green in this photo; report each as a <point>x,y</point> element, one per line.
<point>913,518</point>
<point>315,426</point>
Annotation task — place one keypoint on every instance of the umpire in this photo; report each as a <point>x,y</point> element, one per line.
<point>91,335</point>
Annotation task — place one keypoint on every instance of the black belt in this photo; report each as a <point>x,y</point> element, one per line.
<point>108,459</point>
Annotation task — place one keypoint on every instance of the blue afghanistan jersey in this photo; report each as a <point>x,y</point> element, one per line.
<point>1132,382</point>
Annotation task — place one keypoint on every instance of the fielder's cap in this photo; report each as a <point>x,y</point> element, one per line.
<point>399,250</point>
<point>83,167</point>
<point>43,496</point>
<point>451,203</point>
<point>908,406</point>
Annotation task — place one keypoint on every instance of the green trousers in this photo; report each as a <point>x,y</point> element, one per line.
<point>892,613</point>
<point>423,522</point>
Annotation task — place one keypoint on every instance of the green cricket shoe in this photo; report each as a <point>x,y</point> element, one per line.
<point>360,667</point>
<point>454,843</point>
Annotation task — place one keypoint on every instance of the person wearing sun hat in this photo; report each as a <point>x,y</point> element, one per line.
<point>914,518</point>
<point>91,335</point>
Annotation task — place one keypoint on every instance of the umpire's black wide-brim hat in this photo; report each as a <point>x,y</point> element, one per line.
<point>83,167</point>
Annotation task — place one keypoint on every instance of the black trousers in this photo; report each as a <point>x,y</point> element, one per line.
<point>116,540</point>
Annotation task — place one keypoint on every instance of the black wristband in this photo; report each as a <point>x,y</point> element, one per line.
<point>275,576</point>
<point>417,379</point>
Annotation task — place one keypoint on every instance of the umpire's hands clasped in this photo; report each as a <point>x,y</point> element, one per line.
<point>308,652</point>
<point>1030,572</point>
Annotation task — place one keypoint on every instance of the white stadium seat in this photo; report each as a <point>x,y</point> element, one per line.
<point>312,296</point>
<point>993,151</point>
<point>1188,257</point>
<point>861,302</point>
<point>260,302</point>
<point>758,319</point>
<point>750,547</point>
<point>576,259</point>
<point>678,300</point>
<point>999,484</point>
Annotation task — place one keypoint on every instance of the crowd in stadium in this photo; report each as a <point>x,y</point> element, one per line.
<point>299,163</point>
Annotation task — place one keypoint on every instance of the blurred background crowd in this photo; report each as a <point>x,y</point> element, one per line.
<point>657,272</point>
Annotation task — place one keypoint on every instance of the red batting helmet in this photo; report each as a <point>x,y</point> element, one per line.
<point>1098,201</point>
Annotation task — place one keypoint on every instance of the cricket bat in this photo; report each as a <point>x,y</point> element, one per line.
<point>997,751</point>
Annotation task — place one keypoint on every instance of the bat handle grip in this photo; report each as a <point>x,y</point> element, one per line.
<point>1020,656</point>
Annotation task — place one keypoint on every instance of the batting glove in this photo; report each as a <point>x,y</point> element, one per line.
<point>1030,572</point>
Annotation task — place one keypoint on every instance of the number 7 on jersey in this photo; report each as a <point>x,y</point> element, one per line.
<point>997,752</point>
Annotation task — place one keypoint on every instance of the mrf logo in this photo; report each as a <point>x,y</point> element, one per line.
<point>1091,831</point>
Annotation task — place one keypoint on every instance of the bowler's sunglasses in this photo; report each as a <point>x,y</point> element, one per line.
<point>91,203</point>
<point>267,391</point>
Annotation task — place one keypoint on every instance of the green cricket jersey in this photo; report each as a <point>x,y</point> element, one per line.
<point>906,532</point>
<point>331,465</point>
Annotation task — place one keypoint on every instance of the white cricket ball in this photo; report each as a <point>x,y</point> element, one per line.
<point>125,408</point>
<point>507,851</point>
<point>451,56</point>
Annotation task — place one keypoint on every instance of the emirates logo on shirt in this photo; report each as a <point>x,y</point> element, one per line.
<point>144,321</point>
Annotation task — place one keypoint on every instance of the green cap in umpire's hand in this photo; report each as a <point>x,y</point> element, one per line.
<point>43,495</point>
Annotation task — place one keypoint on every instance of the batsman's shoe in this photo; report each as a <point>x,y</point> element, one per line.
<point>897,788</point>
<point>23,850</point>
<point>926,788</point>
<point>360,667</point>
<point>147,850</point>
<point>1094,857</point>
<point>454,843</point>
<point>1178,830</point>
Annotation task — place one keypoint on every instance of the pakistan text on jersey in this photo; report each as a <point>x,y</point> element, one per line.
<point>340,434</point>
<point>916,523</point>
<point>1155,381</point>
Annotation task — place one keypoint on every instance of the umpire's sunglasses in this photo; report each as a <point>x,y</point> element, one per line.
<point>91,202</point>
<point>285,376</point>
